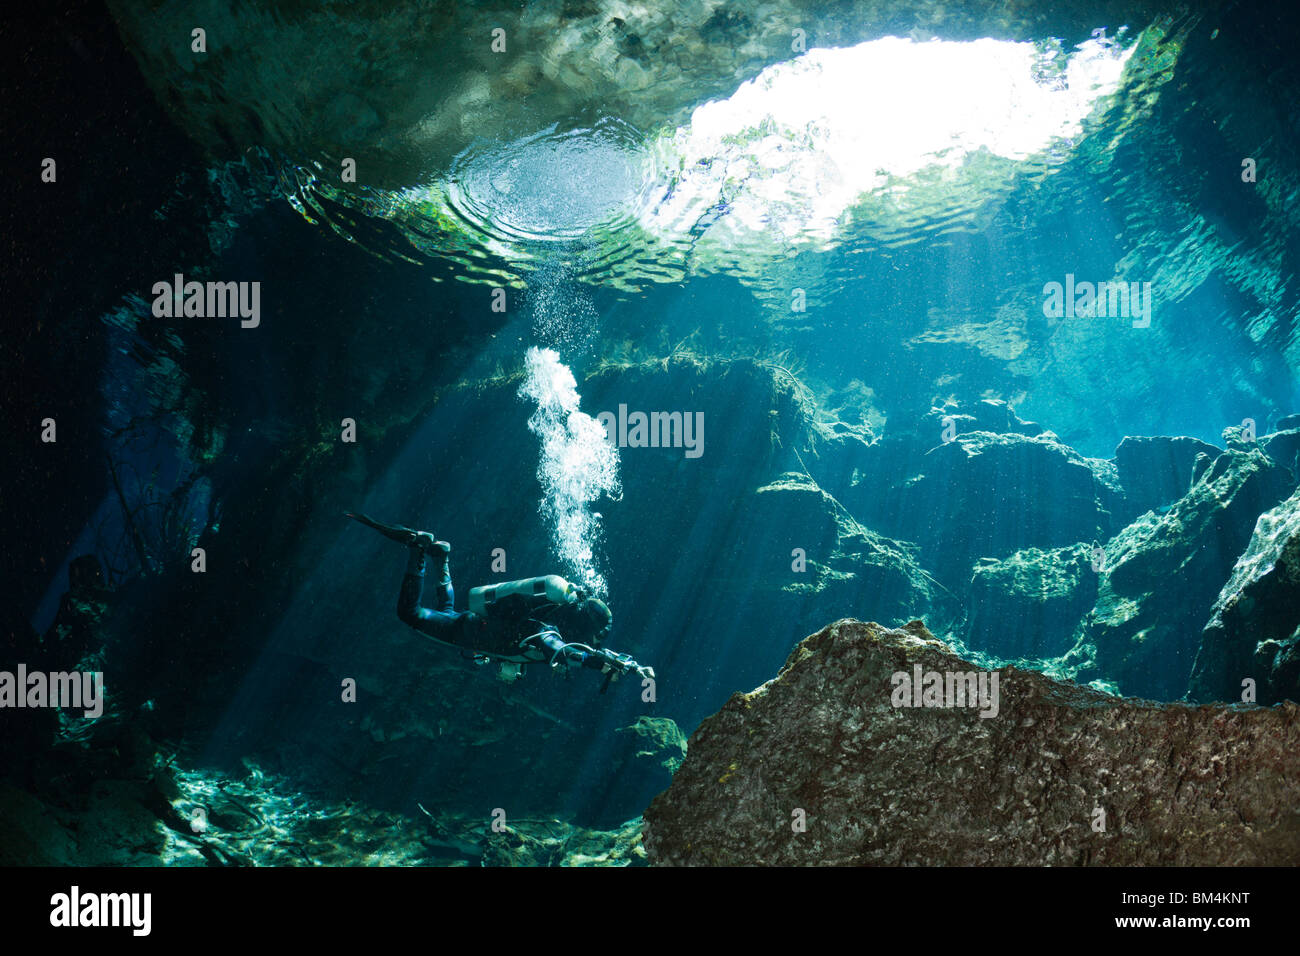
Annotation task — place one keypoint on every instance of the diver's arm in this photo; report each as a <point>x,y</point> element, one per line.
<point>606,660</point>
<point>598,659</point>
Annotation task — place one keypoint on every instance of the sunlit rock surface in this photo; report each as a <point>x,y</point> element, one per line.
<point>834,561</point>
<point>1254,630</point>
<point>821,744</point>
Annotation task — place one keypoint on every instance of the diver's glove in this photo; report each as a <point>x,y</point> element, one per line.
<point>616,665</point>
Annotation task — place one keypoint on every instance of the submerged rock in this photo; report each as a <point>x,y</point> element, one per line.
<point>553,843</point>
<point>1283,446</point>
<point>818,767</point>
<point>33,835</point>
<point>1029,604</point>
<point>1157,471</point>
<point>874,474</point>
<point>1162,572</point>
<point>77,627</point>
<point>987,415</point>
<point>660,739</point>
<point>1254,631</point>
<point>831,562</point>
<point>985,494</point>
<point>157,810</point>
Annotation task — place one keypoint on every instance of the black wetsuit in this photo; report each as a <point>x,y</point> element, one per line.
<point>513,618</point>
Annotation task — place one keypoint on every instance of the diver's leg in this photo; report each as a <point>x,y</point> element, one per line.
<point>439,558</point>
<point>408,599</point>
<point>442,623</point>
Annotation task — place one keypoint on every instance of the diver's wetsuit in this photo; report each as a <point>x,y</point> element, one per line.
<point>513,618</point>
<point>443,623</point>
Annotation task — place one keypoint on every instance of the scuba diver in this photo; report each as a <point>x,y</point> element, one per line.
<point>543,619</point>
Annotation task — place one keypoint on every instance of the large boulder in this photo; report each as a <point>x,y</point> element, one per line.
<point>1254,629</point>
<point>817,766</point>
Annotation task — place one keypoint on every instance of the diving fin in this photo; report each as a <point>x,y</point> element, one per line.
<point>394,532</point>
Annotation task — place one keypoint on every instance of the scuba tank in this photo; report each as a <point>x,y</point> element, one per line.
<point>551,588</point>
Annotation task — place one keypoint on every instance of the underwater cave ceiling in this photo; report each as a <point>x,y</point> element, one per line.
<point>409,85</point>
<point>679,141</point>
